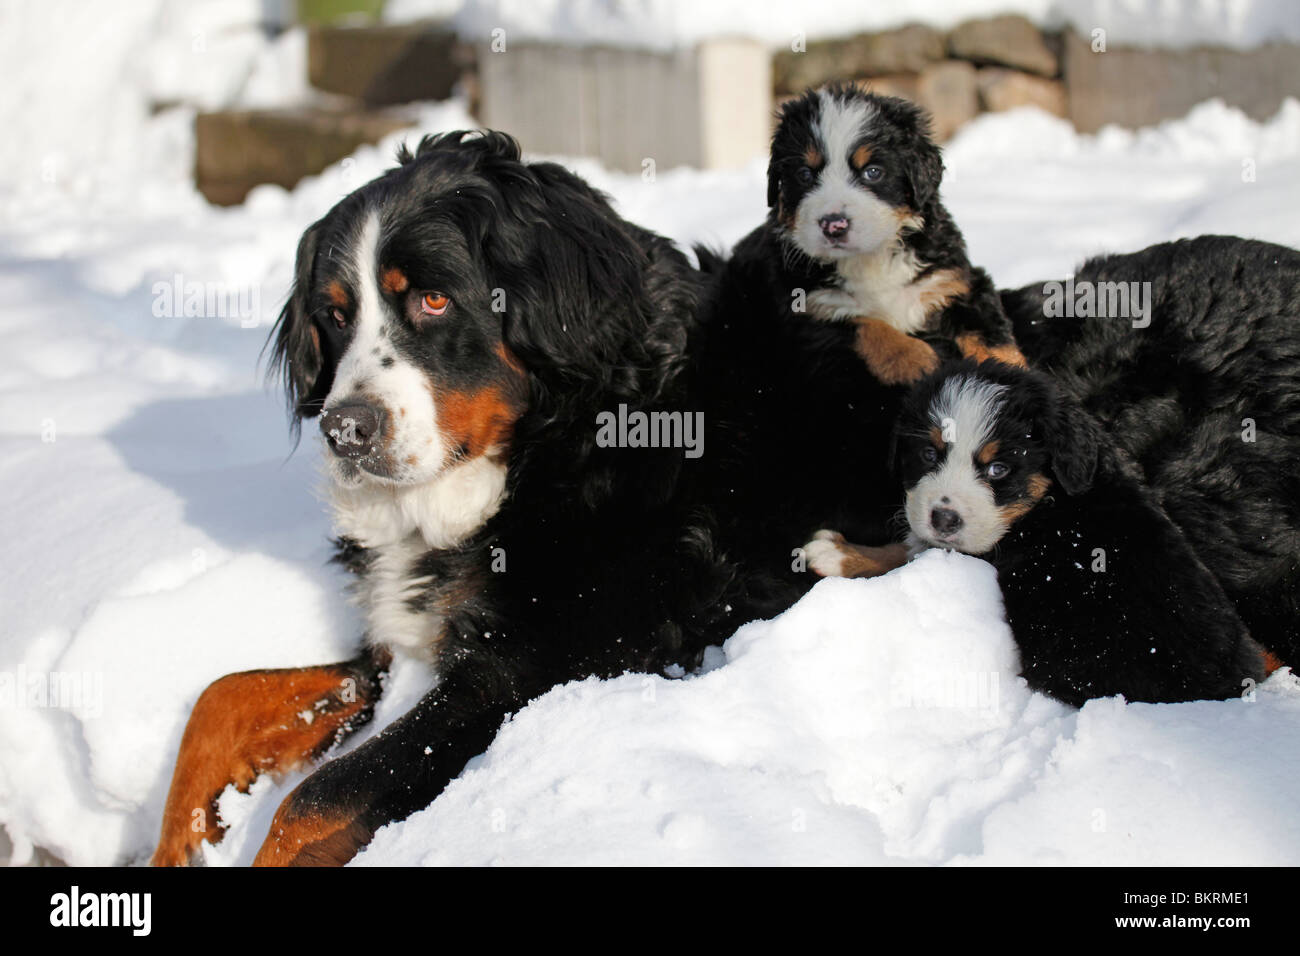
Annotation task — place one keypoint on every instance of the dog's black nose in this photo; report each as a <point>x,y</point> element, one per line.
<point>835,226</point>
<point>352,429</point>
<point>945,520</point>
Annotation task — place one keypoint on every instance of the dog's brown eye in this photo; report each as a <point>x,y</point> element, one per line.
<point>929,454</point>
<point>804,175</point>
<point>339,318</point>
<point>873,173</point>
<point>996,470</point>
<point>434,303</point>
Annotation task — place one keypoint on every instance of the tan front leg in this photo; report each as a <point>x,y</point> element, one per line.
<point>268,721</point>
<point>893,356</point>
<point>830,556</point>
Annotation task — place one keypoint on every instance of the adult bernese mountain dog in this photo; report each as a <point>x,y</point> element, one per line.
<point>462,327</point>
<point>1139,500</point>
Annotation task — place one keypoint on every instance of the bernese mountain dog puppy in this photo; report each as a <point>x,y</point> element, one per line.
<point>856,223</point>
<point>1138,497</point>
<point>854,287</point>
<point>461,327</point>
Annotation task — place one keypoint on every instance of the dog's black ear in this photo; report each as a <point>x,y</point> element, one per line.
<point>297,358</point>
<point>593,305</point>
<point>1073,440</point>
<point>925,171</point>
<point>773,183</point>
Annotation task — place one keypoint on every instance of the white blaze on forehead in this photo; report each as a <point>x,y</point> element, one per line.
<point>415,446</point>
<point>965,410</point>
<point>838,127</point>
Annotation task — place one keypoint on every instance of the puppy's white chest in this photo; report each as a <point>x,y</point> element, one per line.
<point>884,285</point>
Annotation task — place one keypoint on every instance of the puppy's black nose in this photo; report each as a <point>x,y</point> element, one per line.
<point>835,226</point>
<point>945,520</point>
<point>352,429</point>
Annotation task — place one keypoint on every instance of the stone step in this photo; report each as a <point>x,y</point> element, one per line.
<point>236,150</point>
<point>382,64</point>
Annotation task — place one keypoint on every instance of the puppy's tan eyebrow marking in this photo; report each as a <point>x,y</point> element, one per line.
<point>337,294</point>
<point>861,156</point>
<point>936,437</point>
<point>812,157</point>
<point>988,452</point>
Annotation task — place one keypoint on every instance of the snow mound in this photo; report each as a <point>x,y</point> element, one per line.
<point>875,722</point>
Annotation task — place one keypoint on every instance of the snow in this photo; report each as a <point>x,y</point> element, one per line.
<point>161,532</point>
<point>666,24</point>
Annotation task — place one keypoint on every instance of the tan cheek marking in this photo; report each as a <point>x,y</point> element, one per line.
<point>476,421</point>
<point>1037,488</point>
<point>972,346</point>
<point>337,294</point>
<point>394,281</point>
<point>315,340</point>
<point>861,156</point>
<point>1271,662</point>
<point>988,452</point>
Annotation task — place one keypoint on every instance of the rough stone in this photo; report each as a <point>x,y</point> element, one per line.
<point>1003,89</point>
<point>1005,41</point>
<point>239,149</point>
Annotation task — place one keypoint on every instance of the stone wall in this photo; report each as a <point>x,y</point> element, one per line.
<point>1005,62</point>
<point>711,106</point>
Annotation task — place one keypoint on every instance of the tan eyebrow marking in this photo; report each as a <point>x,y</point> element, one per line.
<point>989,452</point>
<point>861,156</point>
<point>393,281</point>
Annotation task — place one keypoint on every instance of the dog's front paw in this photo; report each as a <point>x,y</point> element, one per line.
<point>893,356</point>
<point>825,553</point>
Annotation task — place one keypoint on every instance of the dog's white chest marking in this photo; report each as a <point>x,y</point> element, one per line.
<point>883,285</point>
<point>388,593</point>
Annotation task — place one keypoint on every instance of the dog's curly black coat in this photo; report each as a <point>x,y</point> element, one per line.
<point>1205,401</point>
<point>1104,593</point>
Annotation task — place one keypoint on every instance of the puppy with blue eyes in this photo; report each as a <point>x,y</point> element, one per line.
<point>1103,592</point>
<point>856,222</point>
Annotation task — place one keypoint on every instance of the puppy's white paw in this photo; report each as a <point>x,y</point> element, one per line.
<point>824,554</point>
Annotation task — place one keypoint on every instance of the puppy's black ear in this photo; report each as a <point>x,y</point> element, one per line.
<point>925,170</point>
<point>1073,441</point>
<point>773,183</point>
<point>297,358</point>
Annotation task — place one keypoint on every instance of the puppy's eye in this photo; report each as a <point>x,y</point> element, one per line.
<point>872,174</point>
<point>929,454</point>
<point>434,303</point>
<point>804,174</point>
<point>339,318</point>
<point>996,470</point>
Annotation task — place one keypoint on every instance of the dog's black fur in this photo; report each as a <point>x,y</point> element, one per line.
<point>1103,591</point>
<point>1218,364</point>
<point>614,557</point>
